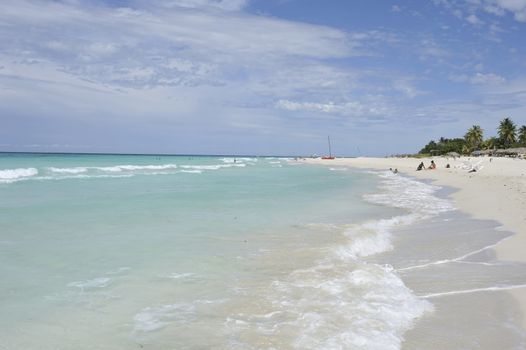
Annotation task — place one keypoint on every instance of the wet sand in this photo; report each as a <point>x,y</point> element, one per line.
<point>496,192</point>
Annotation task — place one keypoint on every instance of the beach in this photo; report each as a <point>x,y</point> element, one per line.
<point>496,191</point>
<point>155,251</point>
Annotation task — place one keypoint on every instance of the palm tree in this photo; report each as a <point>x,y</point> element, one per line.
<point>474,136</point>
<point>507,130</point>
<point>522,135</point>
<point>490,143</point>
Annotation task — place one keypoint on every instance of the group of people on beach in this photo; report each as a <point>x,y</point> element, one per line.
<point>421,166</point>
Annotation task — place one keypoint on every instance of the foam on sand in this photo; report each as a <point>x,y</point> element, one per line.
<point>370,304</point>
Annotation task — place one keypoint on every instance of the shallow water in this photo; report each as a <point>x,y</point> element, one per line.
<point>157,252</point>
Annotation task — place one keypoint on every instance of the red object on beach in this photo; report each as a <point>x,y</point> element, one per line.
<point>327,157</point>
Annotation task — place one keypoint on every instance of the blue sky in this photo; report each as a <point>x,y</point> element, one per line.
<point>256,76</point>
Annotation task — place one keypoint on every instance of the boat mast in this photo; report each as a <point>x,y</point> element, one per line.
<point>329,140</point>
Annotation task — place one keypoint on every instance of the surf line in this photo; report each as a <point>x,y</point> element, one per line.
<point>458,259</point>
<point>468,291</point>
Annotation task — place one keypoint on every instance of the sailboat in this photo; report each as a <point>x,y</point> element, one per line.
<point>330,153</point>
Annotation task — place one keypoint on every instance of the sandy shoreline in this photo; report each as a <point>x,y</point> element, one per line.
<point>497,191</point>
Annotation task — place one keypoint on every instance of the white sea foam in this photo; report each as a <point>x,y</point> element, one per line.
<point>458,259</point>
<point>213,167</point>
<point>177,276</point>
<point>415,196</point>
<point>203,167</point>
<point>371,237</point>
<point>13,175</point>
<point>371,302</point>
<point>119,168</point>
<point>235,160</point>
<point>114,171</point>
<point>368,302</point>
<point>338,169</point>
<point>113,168</point>
<point>82,176</point>
<point>370,305</point>
<point>75,170</point>
<point>374,237</point>
<point>475,290</point>
<point>99,282</point>
<point>154,318</point>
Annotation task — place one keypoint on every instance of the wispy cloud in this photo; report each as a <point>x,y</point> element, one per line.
<point>473,19</point>
<point>166,69</point>
<point>517,8</point>
<point>144,43</point>
<point>479,79</point>
<point>350,109</point>
<point>225,5</point>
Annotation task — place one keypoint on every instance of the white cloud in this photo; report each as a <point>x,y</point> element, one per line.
<point>349,109</point>
<point>180,65</point>
<point>479,79</point>
<point>226,5</point>
<point>458,13</point>
<point>494,7</point>
<point>406,87</point>
<point>487,79</point>
<point>429,48</point>
<point>474,20</point>
<point>516,7</point>
<point>143,47</point>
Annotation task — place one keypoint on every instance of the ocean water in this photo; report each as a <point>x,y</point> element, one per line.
<point>179,252</point>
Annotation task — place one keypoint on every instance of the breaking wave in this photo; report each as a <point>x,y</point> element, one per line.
<point>13,175</point>
<point>114,171</point>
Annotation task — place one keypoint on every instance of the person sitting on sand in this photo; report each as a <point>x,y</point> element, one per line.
<point>432,166</point>
<point>420,166</point>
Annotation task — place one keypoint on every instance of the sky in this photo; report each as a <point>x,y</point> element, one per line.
<point>262,77</point>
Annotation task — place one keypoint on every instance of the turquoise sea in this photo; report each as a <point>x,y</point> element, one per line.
<point>194,252</point>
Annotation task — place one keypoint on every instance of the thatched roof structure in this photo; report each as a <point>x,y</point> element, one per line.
<point>484,152</point>
<point>518,151</point>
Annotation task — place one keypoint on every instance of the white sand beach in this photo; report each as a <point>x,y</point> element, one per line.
<point>496,191</point>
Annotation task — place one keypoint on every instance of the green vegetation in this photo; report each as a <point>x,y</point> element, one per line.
<point>474,137</point>
<point>444,146</point>
<point>507,131</point>
<point>508,136</point>
<point>522,135</point>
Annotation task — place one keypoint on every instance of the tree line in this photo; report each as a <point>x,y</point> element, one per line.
<point>509,135</point>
